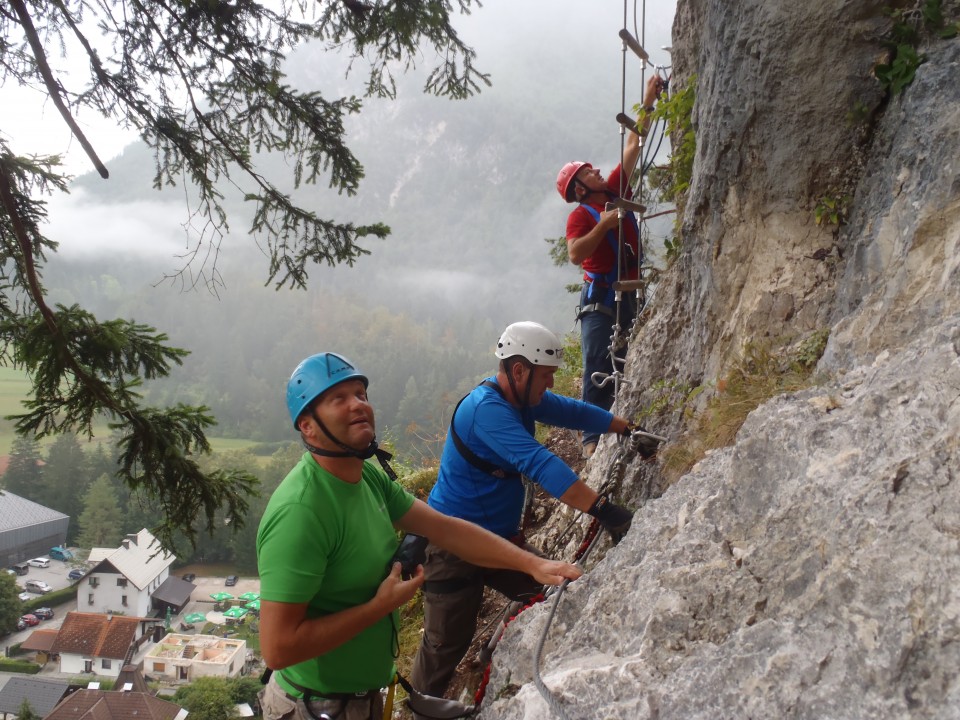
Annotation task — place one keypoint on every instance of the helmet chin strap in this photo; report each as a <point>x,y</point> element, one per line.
<point>525,400</point>
<point>372,450</point>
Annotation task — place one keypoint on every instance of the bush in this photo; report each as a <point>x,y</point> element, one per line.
<point>19,666</point>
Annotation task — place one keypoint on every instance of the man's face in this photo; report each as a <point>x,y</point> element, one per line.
<point>591,178</point>
<point>540,380</point>
<point>347,414</point>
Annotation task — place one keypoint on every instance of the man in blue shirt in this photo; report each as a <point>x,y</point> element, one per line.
<point>490,444</point>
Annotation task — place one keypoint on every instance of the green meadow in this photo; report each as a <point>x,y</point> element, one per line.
<point>15,387</point>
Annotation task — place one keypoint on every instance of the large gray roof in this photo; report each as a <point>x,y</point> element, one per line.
<point>18,512</point>
<point>43,695</point>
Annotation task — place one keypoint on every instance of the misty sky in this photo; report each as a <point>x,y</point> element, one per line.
<point>546,28</point>
<point>552,37</point>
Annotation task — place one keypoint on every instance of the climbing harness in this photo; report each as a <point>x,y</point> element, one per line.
<point>469,455</point>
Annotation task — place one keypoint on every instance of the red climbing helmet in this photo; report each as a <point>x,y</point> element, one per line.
<point>565,179</point>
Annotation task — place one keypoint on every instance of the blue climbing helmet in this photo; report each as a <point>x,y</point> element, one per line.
<point>314,376</point>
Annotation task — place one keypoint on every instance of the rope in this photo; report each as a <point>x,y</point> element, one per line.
<point>545,692</point>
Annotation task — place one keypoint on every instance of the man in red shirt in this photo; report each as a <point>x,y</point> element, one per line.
<point>593,241</point>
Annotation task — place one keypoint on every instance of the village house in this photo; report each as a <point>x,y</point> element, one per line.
<point>188,657</point>
<point>99,644</point>
<point>122,580</point>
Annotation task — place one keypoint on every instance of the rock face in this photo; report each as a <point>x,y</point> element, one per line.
<point>811,569</point>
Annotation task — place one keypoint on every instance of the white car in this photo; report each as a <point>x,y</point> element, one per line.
<point>41,562</point>
<point>24,596</point>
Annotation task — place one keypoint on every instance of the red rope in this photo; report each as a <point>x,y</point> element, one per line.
<point>481,691</point>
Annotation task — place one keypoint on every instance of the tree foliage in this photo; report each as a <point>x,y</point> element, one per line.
<point>24,475</point>
<point>101,522</point>
<point>208,698</point>
<point>10,606</point>
<point>203,84</point>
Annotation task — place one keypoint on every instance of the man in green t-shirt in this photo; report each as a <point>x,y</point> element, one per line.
<point>329,601</point>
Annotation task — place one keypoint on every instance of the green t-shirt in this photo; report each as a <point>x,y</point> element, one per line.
<point>327,542</point>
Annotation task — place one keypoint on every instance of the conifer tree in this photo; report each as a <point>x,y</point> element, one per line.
<point>102,521</point>
<point>10,606</point>
<point>202,82</point>
<point>24,475</point>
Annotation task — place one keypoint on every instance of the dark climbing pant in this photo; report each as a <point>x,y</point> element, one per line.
<point>596,329</point>
<point>452,595</point>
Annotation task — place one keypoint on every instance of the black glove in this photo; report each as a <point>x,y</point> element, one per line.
<point>614,518</point>
<point>642,440</point>
<point>412,552</point>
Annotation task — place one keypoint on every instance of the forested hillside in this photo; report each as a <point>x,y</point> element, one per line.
<point>467,189</point>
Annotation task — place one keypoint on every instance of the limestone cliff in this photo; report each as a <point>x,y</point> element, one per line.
<point>811,568</point>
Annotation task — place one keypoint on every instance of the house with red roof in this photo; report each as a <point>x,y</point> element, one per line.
<point>99,644</point>
<point>90,704</point>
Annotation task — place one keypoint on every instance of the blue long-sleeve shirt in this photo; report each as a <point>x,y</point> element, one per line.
<point>498,432</point>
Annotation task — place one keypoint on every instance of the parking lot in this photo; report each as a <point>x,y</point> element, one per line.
<point>55,575</point>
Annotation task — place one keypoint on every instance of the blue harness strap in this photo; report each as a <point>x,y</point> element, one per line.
<point>604,281</point>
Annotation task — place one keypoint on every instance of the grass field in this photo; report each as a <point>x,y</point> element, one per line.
<point>14,387</point>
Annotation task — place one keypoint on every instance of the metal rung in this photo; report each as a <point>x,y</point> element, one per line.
<point>629,123</point>
<point>622,204</point>
<point>628,285</point>
<point>601,379</point>
<point>633,44</point>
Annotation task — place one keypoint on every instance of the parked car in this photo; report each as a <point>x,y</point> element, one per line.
<point>44,613</point>
<point>76,574</point>
<point>30,620</point>
<point>42,562</point>
<point>60,553</point>
<point>24,596</point>
<point>21,568</point>
<point>37,586</point>
<point>21,625</point>
<point>189,577</point>
<point>231,580</point>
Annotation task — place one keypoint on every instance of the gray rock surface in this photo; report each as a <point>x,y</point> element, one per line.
<point>811,569</point>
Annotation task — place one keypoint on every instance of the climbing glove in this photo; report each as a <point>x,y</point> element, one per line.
<point>614,518</point>
<point>412,552</point>
<point>645,443</point>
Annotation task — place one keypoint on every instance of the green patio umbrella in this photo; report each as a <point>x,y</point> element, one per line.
<point>253,604</point>
<point>221,596</point>
<point>195,618</point>
<point>250,596</point>
<point>235,612</point>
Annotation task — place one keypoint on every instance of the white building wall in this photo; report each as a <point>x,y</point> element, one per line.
<point>100,593</point>
<point>77,665</point>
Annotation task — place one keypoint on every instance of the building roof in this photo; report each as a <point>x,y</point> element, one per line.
<point>18,512</point>
<point>139,559</point>
<point>173,591</point>
<point>100,705</point>
<point>40,640</point>
<point>42,695</point>
<point>98,554</point>
<point>97,635</point>
<point>130,674</point>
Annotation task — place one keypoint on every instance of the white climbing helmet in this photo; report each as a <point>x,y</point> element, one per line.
<point>532,341</point>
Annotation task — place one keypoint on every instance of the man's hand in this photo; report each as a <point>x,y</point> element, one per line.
<point>614,518</point>
<point>609,220</point>
<point>395,592</point>
<point>554,572</point>
<point>410,553</point>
